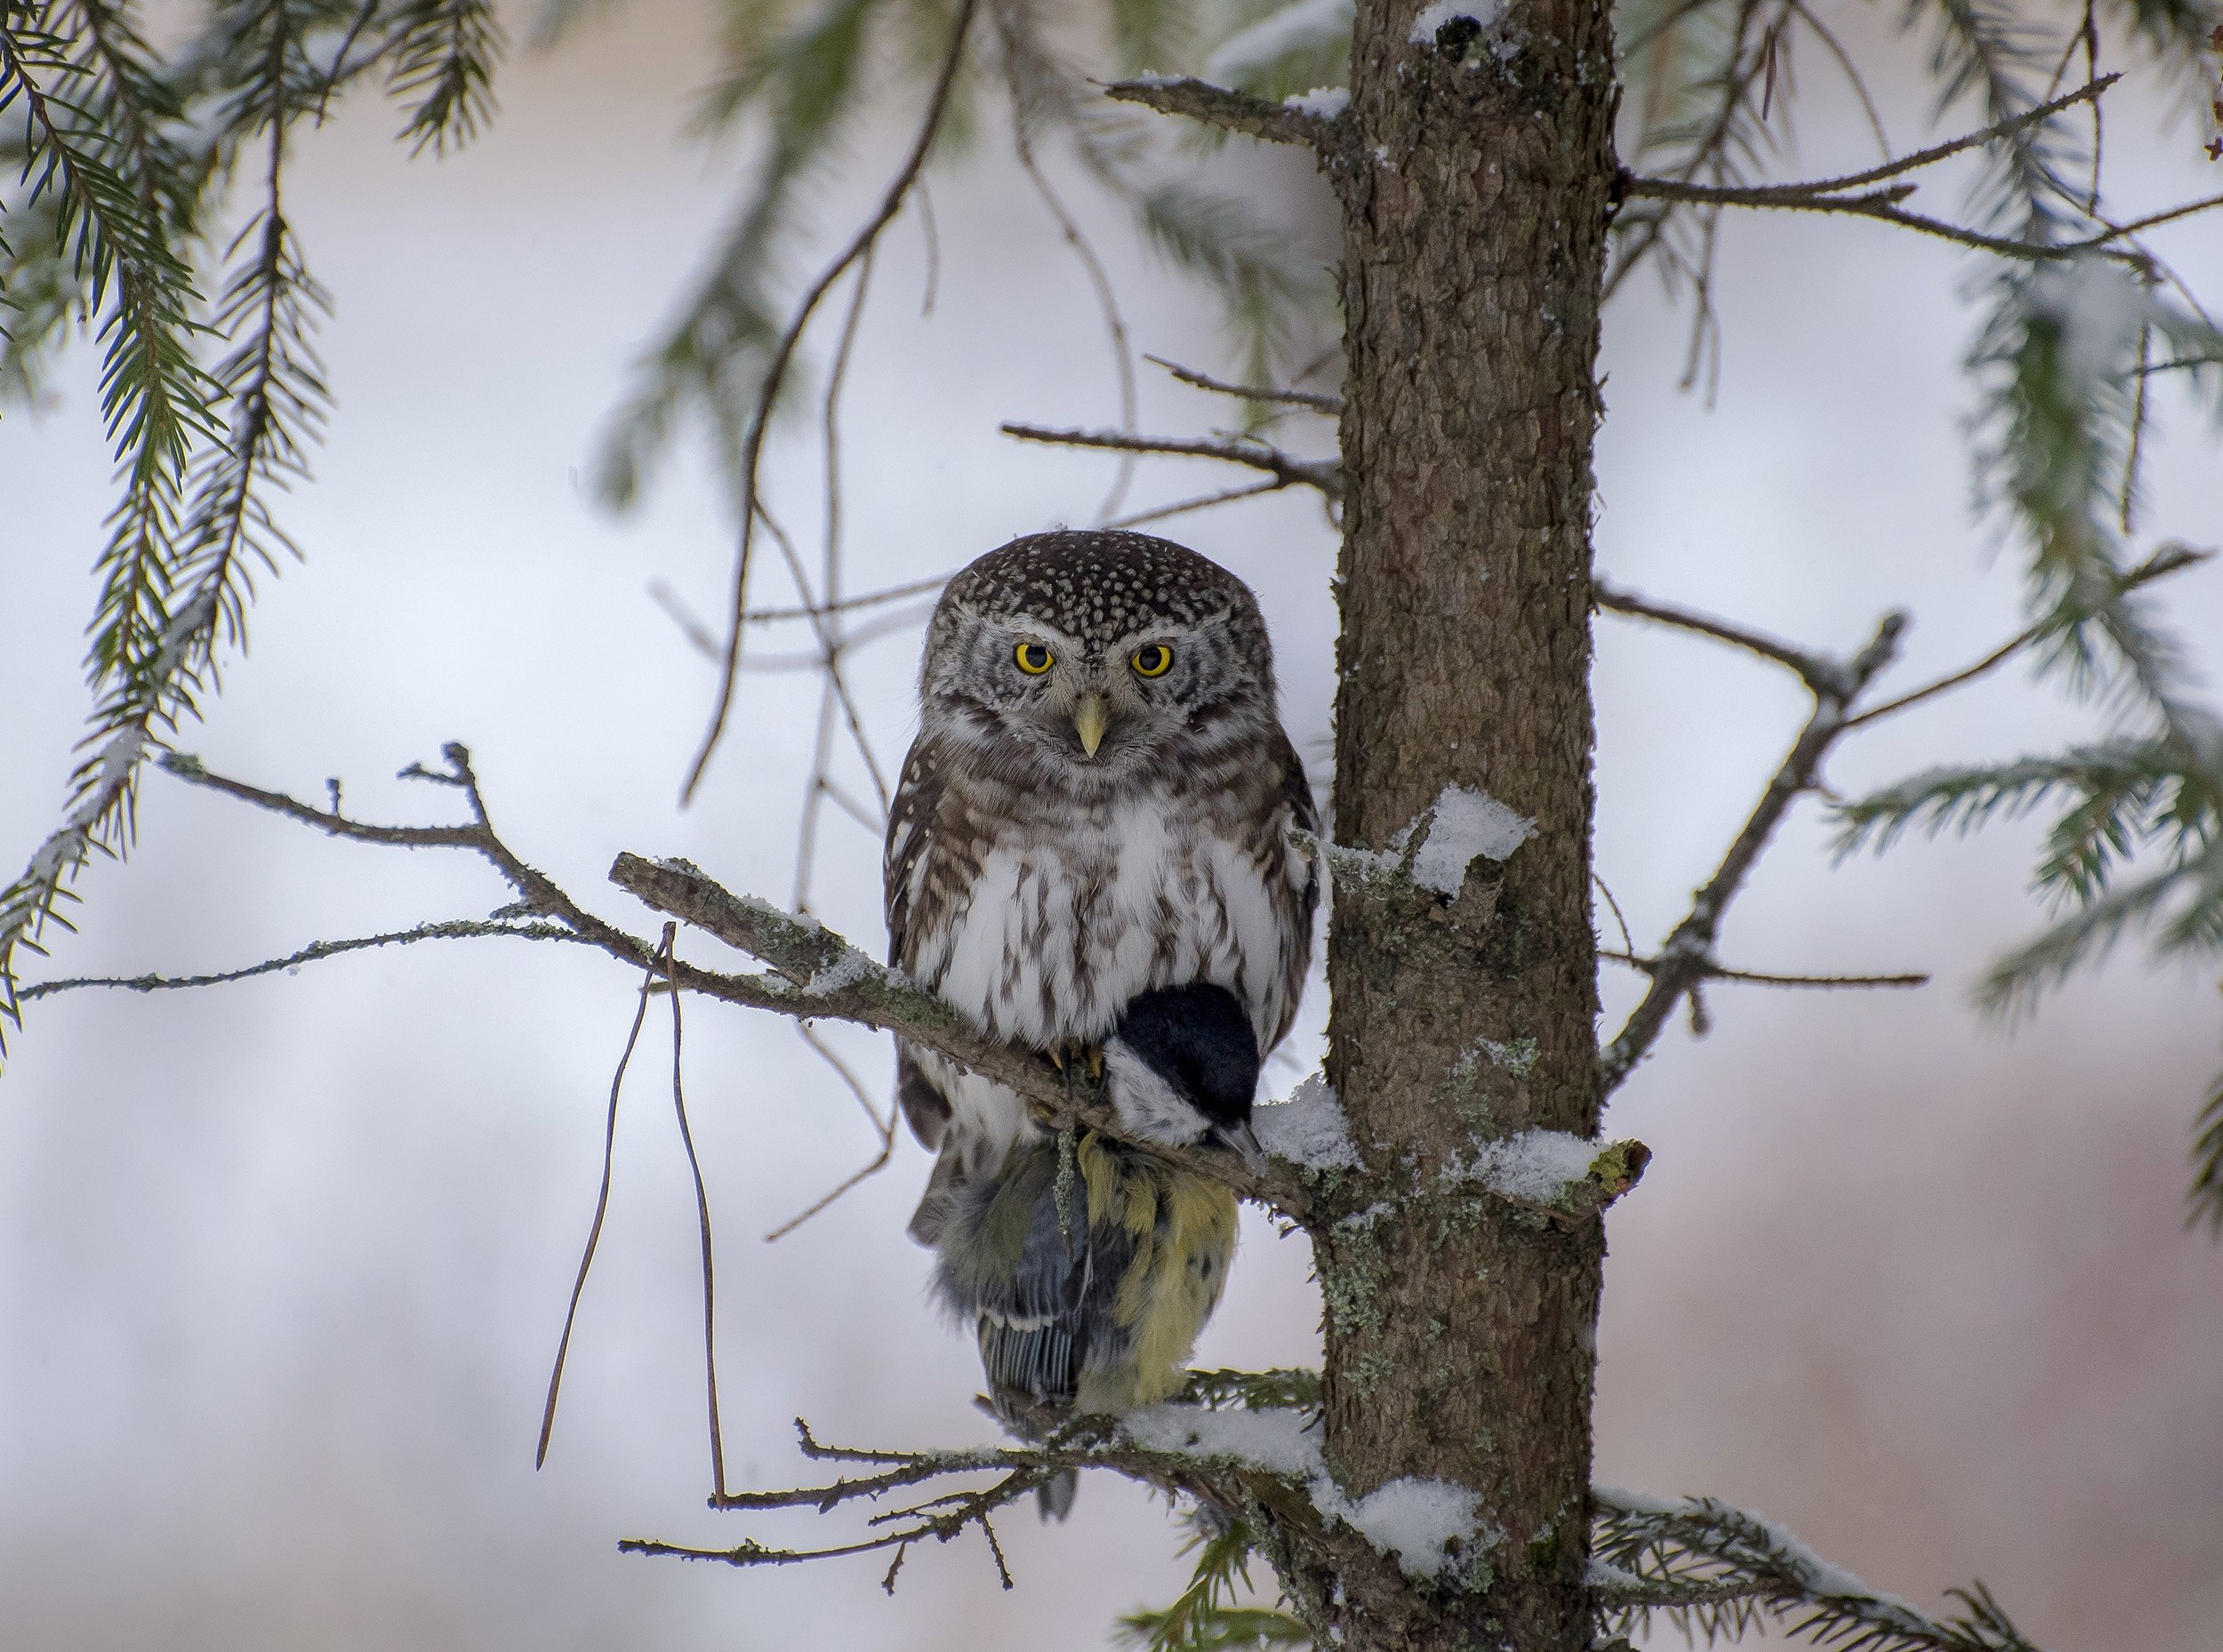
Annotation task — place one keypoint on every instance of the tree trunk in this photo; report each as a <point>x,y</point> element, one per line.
<point>1475,174</point>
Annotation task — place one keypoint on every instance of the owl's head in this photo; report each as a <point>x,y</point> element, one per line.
<point>1087,657</point>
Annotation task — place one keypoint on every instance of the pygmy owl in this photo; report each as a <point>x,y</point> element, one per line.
<point>1090,850</point>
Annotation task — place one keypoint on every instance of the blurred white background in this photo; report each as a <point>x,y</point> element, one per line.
<point>284,1263</point>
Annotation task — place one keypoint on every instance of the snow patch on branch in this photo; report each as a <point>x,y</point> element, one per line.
<point>845,971</point>
<point>1466,825</point>
<point>1306,26</point>
<point>1535,1166</point>
<point>1281,1442</point>
<point>1322,102</point>
<point>1308,1129</point>
<point>1759,1546</point>
<point>1423,1523</point>
<point>180,634</point>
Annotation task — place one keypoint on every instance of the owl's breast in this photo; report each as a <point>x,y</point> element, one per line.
<point>1059,925</point>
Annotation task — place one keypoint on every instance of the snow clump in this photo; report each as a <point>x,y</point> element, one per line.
<point>1322,102</point>
<point>1467,823</point>
<point>1420,1521</point>
<point>1308,1129</point>
<point>1535,1166</point>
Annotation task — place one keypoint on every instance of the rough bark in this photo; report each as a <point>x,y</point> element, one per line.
<point>1474,169</point>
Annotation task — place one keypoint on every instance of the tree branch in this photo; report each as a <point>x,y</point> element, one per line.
<point>1317,402</point>
<point>1818,672</point>
<point>1715,1568</point>
<point>1216,106</point>
<point>2169,559</point>
<point>1810,193</point>
<point>1653,965</point>
<point>1324,474</point>
<point>1686,959</point>
<point>815,975</point>
<point>456,929</point>
<point>776,373</point>
<point>1202,501</point>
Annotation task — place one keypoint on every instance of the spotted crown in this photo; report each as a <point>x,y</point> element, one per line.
<point>1100,586</point>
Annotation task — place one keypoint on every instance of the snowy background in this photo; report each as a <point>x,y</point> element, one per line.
<point>282,1265</point>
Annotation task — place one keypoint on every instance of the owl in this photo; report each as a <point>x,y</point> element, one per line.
<point>1089,854</point>
<point>1097,806</point>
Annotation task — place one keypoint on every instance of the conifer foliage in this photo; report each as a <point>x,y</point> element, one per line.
<point>122,167</point>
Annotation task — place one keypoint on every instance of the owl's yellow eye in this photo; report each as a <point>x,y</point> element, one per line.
<point>1034,659</point>
<point>1152,659</point>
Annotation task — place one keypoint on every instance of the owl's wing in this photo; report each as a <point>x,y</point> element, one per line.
<point>909,831</point>
<point>1295,797</point>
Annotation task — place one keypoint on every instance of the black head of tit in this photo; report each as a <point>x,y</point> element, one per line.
<point>1182,1066</point>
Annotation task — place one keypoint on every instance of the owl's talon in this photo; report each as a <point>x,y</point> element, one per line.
<point>1095,1060</point>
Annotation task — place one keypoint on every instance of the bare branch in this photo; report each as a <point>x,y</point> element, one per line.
<point>1802,194</point>
<point>815,975</point>
<point>1686,959</point>
<point>833,980</point>
<point>1798,198</point>
<point>2169,559</point>
<point>1714,971</point>
<point>1883,204</point>
<point>1324,474</point>
<point>1817,671</point>
<point>1319,403</point>
<point>1099,277</point>
<point>601,1210</point>
<point>668,601</point>
<point>2151,221</point>
<point>776,373</point>
<point>456,929</point>
<point>1202,501</point>
<point>1217,105</point>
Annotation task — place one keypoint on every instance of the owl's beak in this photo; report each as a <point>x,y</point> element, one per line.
<point>1089,718</point>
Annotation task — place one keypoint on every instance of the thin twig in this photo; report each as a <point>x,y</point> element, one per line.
<point>1714,971</point>
<point>830,644</point>
<point>884,1127</point>
<point>2169,559</point>
<point>601,1210</point>
<point>1324,474</point>
<point>457,929</point>
<point>934,250</point>
<point>1217,105</point>
<point>1827,194</point>
<point>1685,958</point>
<point>1851,72</point>
<point>1811,668</point>
<point>813,974</point>
<point>775,375</point>
<point>1782,192</point>
<point>1319,403</point>
<point>1789,197</point>
<point>702,1217</point>
<point>1627,940</point>
<point>2115,232</point>
<point>1099,278</point>
<point>664,595</point>
<point>1202,501</point>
